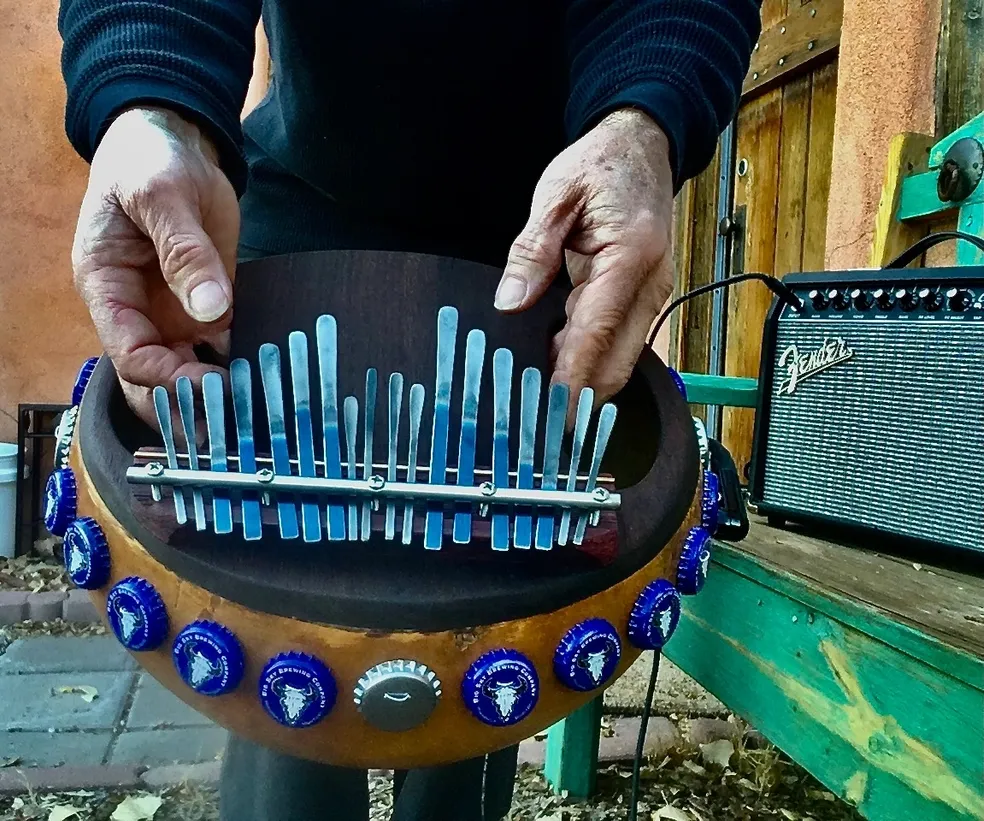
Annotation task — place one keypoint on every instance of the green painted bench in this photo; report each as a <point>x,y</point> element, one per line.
<point>866,669</point>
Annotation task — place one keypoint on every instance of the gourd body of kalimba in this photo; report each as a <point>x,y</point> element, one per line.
<point>440,564</point>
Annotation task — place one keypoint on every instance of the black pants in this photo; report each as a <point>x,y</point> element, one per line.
<point>261,785</point>
<point>282,215</point>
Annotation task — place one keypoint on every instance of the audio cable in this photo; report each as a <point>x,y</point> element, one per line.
<point>776,285</point>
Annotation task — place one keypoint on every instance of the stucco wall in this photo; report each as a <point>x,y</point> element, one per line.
<point>44,330</point>
<point>885,85</point>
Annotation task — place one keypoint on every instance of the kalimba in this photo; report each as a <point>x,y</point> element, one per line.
<point>386,541</point>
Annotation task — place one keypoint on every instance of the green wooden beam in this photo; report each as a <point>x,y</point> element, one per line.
<point>885,717</point>
<point>733,391</point>
<point>571,762</point>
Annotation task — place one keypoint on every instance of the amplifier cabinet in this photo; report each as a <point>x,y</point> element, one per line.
<point>871,405</point>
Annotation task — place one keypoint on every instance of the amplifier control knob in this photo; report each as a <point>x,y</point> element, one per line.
<point>862,299</point>
<point>839,299</point>
<point>907,300</point>
<point>959,299</point>
<point>884,299</point>
<point>931,300</point>
<point>819,299</point>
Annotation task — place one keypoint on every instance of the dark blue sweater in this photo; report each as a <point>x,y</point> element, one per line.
<point>429,113</point>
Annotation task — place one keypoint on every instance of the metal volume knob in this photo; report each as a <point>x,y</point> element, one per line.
<point>840,300</point>
<point>397,695</point>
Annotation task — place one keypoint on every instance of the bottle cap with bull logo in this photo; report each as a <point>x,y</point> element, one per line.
<point>710,502</point>
<point>588,655</point>
<point>297,690</point>
<point>84,375</point>
<point>501,687</point>
<point>209,658</point>
<point>654,615</point>
<point>86,554</point>
<point>137,614</point>
<point>60,501</point>
<point>695,559</point>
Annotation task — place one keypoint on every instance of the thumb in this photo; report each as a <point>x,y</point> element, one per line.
<point>192,266</point>
<point>537,253</point>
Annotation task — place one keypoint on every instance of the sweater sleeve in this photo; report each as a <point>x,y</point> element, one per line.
<point>681,61</point>
<point>192,56</point>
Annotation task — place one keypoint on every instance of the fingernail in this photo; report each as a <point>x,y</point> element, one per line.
<point>511,293</point>
<point>208,301</point>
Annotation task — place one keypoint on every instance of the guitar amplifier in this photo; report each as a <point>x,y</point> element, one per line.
<point>871,405</point>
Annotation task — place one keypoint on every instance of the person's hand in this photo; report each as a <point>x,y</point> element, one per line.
<point>606,205</point>
<point>155,250</point>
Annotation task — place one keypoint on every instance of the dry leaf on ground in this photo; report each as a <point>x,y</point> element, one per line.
<point>63,812</point>
<point>137,808</point>
<point>717,752</point>
<point>672,814</point>
<point>89,694</point>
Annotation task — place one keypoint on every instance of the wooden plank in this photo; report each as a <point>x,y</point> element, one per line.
<point>823,106</point>
<point>971,221</point>
<point>697,328</point>
<point>944,606</point>
<point>881,729</point>
<point>757,189</point>
<point>794,150</point>
<point>683,238</point>
<point>908,154</point>
<point>571,761</point>
<point>731,391</point>
<point>960,93</point>
<point>794,44</point>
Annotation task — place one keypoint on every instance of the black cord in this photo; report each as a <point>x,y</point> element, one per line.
<point>641,740</point>
<point>781,290</point>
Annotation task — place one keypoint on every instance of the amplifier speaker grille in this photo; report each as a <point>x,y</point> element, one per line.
<point>892,438</point>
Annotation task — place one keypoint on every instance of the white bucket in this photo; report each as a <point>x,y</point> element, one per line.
<point>8,497</point>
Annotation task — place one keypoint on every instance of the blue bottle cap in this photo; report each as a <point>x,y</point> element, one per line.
<point>678,380</point>
<point>297,690</point>
<point>588,654</point>
<point>209,658</point>
<point>82,379</point>
<point>501,687</point>
<point>60,501</point>
<point>694,561</point>
<point>137,614</point>
<point>710,502</point>
<point>654,615</point>
<point>86,554</point>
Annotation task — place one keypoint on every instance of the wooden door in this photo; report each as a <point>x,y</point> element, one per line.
<point>780,172</point>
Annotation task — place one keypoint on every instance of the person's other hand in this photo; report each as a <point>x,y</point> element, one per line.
<point>606,205</point>
<point>155,251</point>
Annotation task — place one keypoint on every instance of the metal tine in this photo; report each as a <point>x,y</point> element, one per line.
<point>186,407</point>
<point>553,438</point>
<point>474,360</point>
<point>242,405</point>
<point>271,376</point>
<point>350,411</point>
<point>529,408</point>
<point>300,382</point>
<point>162,404</point>
<point>447,331</point>
<point>212,392</point>
<point>585,403</point>
<point>606,421</point>
<point>395,406</point>
<point>416,412</point>
<point>369,414</point>
<point>326,336</point>
<point>502,368</point>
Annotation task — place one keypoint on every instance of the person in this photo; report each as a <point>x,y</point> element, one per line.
<point>427,126</point>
